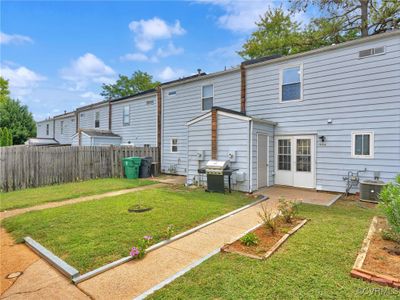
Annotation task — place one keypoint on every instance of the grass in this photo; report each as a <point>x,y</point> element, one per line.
<point>59,192</point>
<point>313,264</point>
<point>90,234</point>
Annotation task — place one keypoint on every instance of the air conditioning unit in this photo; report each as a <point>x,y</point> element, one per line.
<point>370,189</point>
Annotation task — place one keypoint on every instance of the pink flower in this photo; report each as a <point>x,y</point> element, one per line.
<point>134,252</point>
<point>148,238</point>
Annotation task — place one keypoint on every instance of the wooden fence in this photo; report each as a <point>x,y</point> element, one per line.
<point>24,167</point>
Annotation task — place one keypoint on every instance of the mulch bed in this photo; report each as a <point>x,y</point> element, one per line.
<point>382,261</point>
<point>267,242</point>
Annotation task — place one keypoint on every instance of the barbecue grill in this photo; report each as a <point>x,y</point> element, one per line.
<point>216,170</point>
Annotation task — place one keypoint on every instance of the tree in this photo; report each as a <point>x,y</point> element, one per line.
<point>367,17</point>
<point>125,86</point>
<point>15,118</point>
<point>5,137</point>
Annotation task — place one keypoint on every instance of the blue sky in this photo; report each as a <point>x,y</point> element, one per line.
<point>56,54</point>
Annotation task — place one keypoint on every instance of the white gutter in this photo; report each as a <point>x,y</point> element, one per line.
<point>251,157</point>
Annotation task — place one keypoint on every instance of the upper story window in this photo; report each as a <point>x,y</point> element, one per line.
<point>362,144</point>
<point>47,129</point>
<point>172,93</point>
<point>174,145</point>
<point>291,84</point>
<point>125,117</point>
<point>62,127</point>
<point>207,97</point>
<point>97,120</point>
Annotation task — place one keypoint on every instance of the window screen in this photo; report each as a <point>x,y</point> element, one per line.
<point>207,97</point>
<point>291,84</point>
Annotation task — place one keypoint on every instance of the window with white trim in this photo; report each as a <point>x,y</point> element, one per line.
<point>174,145</point>
<point>97,120</point>
<point>207,97</point>
<point>362,144</point>
<point>125,116</point>
<point>291,84</point>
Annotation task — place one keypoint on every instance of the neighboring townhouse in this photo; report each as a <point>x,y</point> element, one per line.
<point>94,116</point>
<point>303,120</point>
<point>45,129</point>
<point>65,127</point>
<point>133,118</point>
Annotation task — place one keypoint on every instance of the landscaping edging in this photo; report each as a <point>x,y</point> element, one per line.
<point>271,251</point>
<point>357,270</point>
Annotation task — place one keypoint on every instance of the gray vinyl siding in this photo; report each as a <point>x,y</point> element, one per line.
<point>234,135</point>
<point>142,128</point>
<point>69,129</point>
<point>199,138</point>
<point>41,129</point>
<point>356,94</point>
<point>105,141</point>
<point>87,118</point>
<point>85,140</point>
<point>262,128</point>
<point>184,106</point>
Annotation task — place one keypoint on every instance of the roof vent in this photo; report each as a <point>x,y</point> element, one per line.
<point>370,52</point>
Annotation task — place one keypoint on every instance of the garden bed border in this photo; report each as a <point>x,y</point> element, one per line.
<point>273,249</point>
<point>357,270</point>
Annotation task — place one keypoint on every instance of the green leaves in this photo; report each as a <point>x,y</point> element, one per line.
<point>126,86</point>
<point>15,117</point>
<point>390,204</point>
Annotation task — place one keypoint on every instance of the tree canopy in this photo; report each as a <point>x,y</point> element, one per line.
<point>340,20</point>
<point>125,86</point>
<point>15,118</point>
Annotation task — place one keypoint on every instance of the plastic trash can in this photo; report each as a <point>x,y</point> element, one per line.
<point>145,167</point>
<point>131,167</point>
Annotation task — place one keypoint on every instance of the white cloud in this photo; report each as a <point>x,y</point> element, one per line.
<point>90,95</point>
<point>169,50</point>
<point>148,31</point>
<point>21,79</point>
<point>169,74</point>
<point>229,53</point>
<point>135,57</point>
<point>14,39</point>
<point>240,16</point>
<point>86,69</point>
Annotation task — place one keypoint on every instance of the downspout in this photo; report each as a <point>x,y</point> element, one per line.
<point>54,129</point>
<point>250,156</point>
<point>76,122</point>
<point>214,141</point>
<point>159,127</point>
<point>242,88</point>
<point>79,137</point>
<point>109,115</point>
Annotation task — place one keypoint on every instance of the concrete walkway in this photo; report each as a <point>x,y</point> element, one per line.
<point>15,212</point>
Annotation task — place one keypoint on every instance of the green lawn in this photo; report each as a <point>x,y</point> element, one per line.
<point>313,264</point>
<point>58,192</point>
<point>90,234</point>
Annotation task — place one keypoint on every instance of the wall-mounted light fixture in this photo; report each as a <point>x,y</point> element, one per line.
<point>322,138</point>
<point>330,121</point>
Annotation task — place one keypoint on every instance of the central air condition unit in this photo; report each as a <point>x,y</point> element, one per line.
<point>370,189</point>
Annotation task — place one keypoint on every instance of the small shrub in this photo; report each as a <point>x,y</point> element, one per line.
<point>288,209</point>
<point>249,239</point>
<point>268,219</point>
<point>139,250</point>
<point>390,236</point>
<point>170,231</point>
<point>390,204</point>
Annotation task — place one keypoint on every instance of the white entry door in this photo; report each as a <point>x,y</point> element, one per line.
<point>295,161</point>
<point>262,160</point>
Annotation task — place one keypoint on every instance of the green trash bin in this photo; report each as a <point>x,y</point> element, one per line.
<point>131,167</point>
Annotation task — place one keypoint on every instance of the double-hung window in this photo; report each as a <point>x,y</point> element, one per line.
<point>174,145</point>
<point>97,120</point>
<point>362,144</point>
<point>125,117</point>
<point>47,129</point>
<point>291,84</point>
<point>62,127</point>
<point>207,97</point>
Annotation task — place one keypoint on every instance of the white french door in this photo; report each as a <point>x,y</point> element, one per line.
<point>295,160</point>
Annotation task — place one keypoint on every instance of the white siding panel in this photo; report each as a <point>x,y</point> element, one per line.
<point>41,129</point>
<point>142,128</point>
<point>87,118</point>
<point>68,131</point>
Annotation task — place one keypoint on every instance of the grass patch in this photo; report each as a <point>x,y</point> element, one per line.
<point>313,264</point>
<point>90,234</point>
<point>59,192</point>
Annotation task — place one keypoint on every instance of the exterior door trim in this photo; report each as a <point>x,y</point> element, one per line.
<point>267,167</point>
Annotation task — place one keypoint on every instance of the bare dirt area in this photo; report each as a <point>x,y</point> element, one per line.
<point>266,240</point>
<point>14,259</point>
<point>383,256</point>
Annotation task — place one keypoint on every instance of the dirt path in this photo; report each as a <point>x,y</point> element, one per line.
<point>15,212</point>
